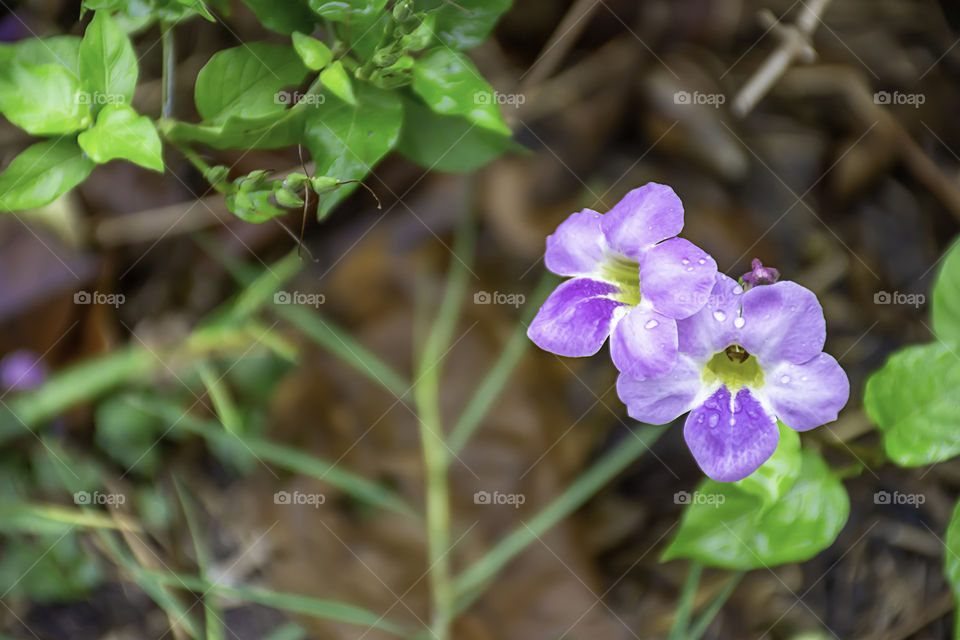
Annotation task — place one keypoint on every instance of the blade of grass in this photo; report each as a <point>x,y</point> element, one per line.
<point>288,631</point>
<point>681,618</point>
<point>435,452</point>
<point>282,456</point>
<point>50,518</point>
<point>470,582</point>
<point>493,383</point>
<point>223,404</point>
<point>213,615</point>
<point>294,603</point>
<point>702,623</point>
<point>314,326</point>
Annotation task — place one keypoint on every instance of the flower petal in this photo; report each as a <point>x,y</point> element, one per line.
<point>730,440</point>
<point>662,399</point>
<point>712,329</point>
<point>807,395</point>
<point>644,343</point>
<point>644,217</point>
<point>575,320</point>
<point>677,277</point>
<point>577,246</point>
<point>782,321</point>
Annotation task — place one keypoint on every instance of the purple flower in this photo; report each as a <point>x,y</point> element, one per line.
<point>22,370</point>
<point>759,274</point>
<point>747,359</point>
<point>629,282</point>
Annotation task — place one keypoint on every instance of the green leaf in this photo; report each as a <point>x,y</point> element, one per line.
<point>775,476</point>
<point>447,143</point>
<point>198,7</point>
<point>122,134</point>
<point>272,131</point>
<point>915,400</point>
<point>108,64</point>
<point>245,81</point>
<point>283,17</point>
<point>946,297</point>
<point>61,50</point>
<point>128,434</point>
<point>41,173</point>
<point>450,85</point>
<point>335,79</point>
<point>315,54</point>
<point>42,99</point>
<point>466,23</point>
<point>349,11</point>
<point>732,528</point>
<point>346,141</point>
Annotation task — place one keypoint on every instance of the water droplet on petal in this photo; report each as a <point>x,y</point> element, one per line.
<point>714,419</point>
<point>651,324</point>
<point>784,379</point>
<point>803,378</point>
<point>702,261</point>
<point>719,316</point>
<point>737,290</point>
<point>733,421</point>
<point>684,261</point>
<point>690,268</point>
<point>738,322</point>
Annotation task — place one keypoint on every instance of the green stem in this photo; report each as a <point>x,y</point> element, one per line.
<point>436,455</point>
<point>169,65</point>
<point>681,619</point>
<point>701,624</point>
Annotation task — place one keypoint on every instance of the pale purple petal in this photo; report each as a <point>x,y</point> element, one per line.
<point>712,329</point>
<point>730,442</point>
<point>644,217</point>
<point>644,343</point>
<point>677,277</point>
<point>577,246</point>
<point>575,320</point>
<point>662,399</point>
<point>782,322</point>
<point>807,395</point>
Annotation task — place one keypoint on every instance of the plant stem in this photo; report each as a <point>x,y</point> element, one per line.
<point>169,65</point>
<point>701,624</point>
<point>436,454</point>
<point>681,619</point>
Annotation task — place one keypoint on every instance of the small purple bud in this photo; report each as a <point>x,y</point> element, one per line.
<point>22,370</point>
<point>759,275</point>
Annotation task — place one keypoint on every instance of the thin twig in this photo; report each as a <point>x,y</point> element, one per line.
<point>794,45</point>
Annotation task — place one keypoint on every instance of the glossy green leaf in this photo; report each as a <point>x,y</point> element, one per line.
<point>946,297</point>
<point>246,81</point>
<point>775,477</point>
<point>122,134</point>
<point>44,99</point>
<point>41,173</point>
<point>272,131</point>
<point>733,529</point>
<point>108,64</point>
<point>335,79</point>
<point>61,50</point>
<point>315,54</point>
<point>450,85</point>
<point>346,141</point>
<point>447,143</point>
<point>915,400</point>
<point>283,17</point>
<point>465,23</point>
<point>349,11</point>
